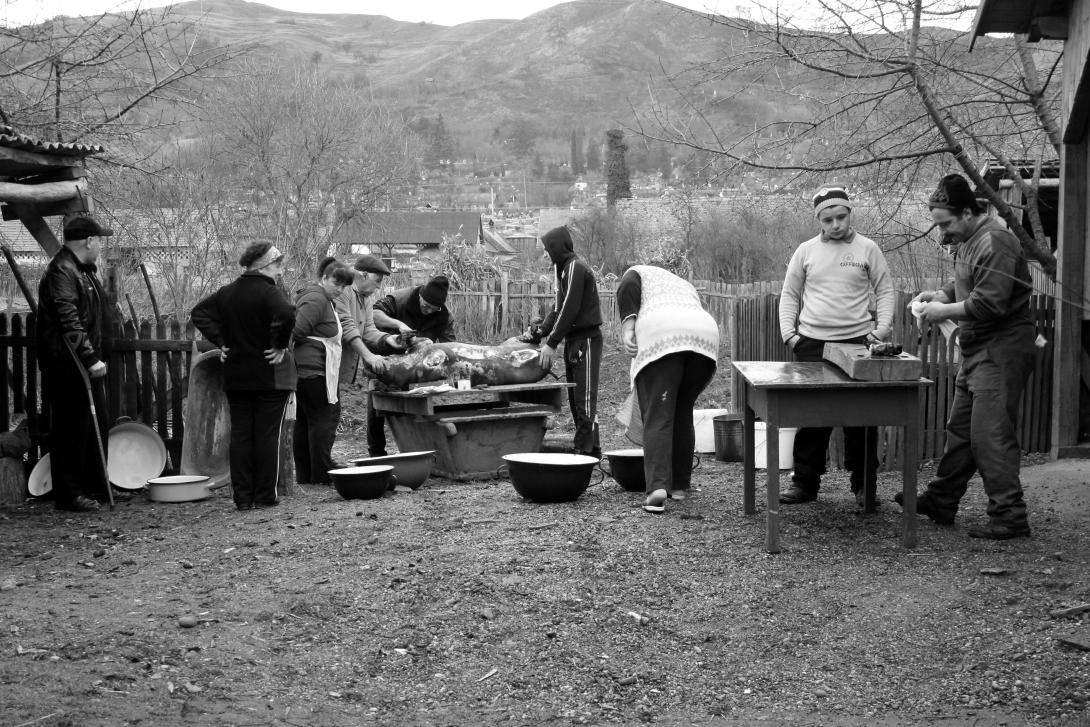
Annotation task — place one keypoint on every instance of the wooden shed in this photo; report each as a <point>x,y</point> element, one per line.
<point>1069,21</point>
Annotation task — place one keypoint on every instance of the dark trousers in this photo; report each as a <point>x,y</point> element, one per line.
<point>376,431</point>
<point>667,390</point>
<point>812,443</point>
<point>256,420</point>
<point>582,360</point>
<point>981,432</point>
<point>75,464</point>
<point>315,429</point>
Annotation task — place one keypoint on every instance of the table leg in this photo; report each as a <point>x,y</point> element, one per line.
<point>772,480</point>
<point>749,485</point>
<point>911,459</point>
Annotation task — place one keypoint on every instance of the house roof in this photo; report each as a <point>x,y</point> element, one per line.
<point>16,236</point>
<point>1021,17</point>
<point>410,228</point>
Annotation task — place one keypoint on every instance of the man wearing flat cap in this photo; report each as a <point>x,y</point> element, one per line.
<point>989,299</point>
<point>419,311</point>
<point>827,292</point>
<point>361,339</point>
<point>72,316</point>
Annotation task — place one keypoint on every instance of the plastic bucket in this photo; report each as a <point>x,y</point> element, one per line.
<point>704,428</point>
<point>728,437</point>
<point>787,444</point>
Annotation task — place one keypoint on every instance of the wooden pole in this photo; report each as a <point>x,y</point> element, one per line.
<point>151,291</point>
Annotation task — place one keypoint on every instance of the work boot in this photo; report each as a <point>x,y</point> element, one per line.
<point>797,494</point>
<point>1000,531</point>
<point>924,506</point>
<point>79,504</point>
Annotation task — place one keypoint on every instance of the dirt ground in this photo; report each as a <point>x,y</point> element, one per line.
<point>460,603</point>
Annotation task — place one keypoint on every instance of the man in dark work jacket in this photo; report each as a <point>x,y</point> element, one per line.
<point>989,298</point>
<point>72,316</point>
<point>576,319</point>
<point>421,310</point>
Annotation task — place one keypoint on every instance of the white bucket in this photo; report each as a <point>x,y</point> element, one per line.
<point>787,444</point>
<point>704,423</point>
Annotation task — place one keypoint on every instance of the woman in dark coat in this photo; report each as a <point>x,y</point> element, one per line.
<point>251,320</point>
<point>317,337</point>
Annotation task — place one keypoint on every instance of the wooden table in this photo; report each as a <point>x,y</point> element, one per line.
<point>821,395</point>
<point>470,430</point>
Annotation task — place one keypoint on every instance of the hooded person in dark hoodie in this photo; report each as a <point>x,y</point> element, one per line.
<point>576,319</point>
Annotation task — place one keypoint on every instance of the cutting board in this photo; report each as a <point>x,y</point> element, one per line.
<point>856,362</point>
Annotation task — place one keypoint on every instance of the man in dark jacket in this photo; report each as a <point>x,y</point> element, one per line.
<point>576,319</point>
<point>989,297</point>
<point>422,311</point>
<point>72,316</point>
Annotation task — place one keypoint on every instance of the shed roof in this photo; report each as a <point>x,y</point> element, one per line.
<point>1019,17</point>
<point>12,139</point>
<point>411,228</point>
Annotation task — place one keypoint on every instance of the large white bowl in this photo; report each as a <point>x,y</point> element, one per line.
<point>40,481</point>
<point>136,455</point>
<point>412,469</point>
<point>178,488</point>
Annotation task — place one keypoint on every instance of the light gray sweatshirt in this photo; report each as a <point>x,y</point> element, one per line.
<point>827,291</point>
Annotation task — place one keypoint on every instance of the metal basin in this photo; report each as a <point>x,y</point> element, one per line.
<point>550,476</point>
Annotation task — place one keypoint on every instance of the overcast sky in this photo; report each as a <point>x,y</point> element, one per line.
<point>442,12</point>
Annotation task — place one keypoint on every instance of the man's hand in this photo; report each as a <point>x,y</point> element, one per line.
<point>402,327</point>
<point>927,296</point>
<point>97,371</point>
<point>223,353</point>
<point>376,365</point>
<point>545,357</point>
<point>933,311</point>
<point>275,355</point>
<point>393,340</point>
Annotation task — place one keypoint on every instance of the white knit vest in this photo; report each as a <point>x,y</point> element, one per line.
<point>671,319</point>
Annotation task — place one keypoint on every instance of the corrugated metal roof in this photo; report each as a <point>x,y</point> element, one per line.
<point>14,140</point>
<point>410,228</point>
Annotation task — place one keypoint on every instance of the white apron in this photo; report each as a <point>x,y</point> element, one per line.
<point>332,347</point>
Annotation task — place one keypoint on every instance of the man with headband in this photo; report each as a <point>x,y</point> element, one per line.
<point>826,298</point>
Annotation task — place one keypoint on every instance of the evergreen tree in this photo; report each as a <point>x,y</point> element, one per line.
<point>576,154</point>
<point>593,157</point>
<point>617,181</point>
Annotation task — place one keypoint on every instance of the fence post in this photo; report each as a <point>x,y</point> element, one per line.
<point>505,301</point>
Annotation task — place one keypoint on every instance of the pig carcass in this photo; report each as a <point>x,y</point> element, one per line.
<point>507,363</point>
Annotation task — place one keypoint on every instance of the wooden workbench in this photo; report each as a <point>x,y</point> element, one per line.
<point>821,395</point>
<point>471,430</point>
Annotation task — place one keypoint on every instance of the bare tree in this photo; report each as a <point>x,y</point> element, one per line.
<point>109,78</point>
<point>308,154</point>
<point>884,93</point>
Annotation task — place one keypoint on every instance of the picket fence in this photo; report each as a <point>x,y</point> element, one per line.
<point>149,361</point>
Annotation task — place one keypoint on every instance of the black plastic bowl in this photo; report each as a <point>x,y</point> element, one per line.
<point>626,467</point>
<point>362,483</point>
<point>550,476</point>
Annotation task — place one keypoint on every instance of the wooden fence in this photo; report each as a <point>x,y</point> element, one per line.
<point>149,362</point>
<point>754,335</point>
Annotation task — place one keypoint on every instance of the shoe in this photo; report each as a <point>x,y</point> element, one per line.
<point>678,495</point>
<point>796,494</point>
<point>378,453</point>
<point>656,502</point>
<point>999,531</point>
<point>924,506</point>
<point>244,506</point>
<point>80,504</point>
<point>265,505</point>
